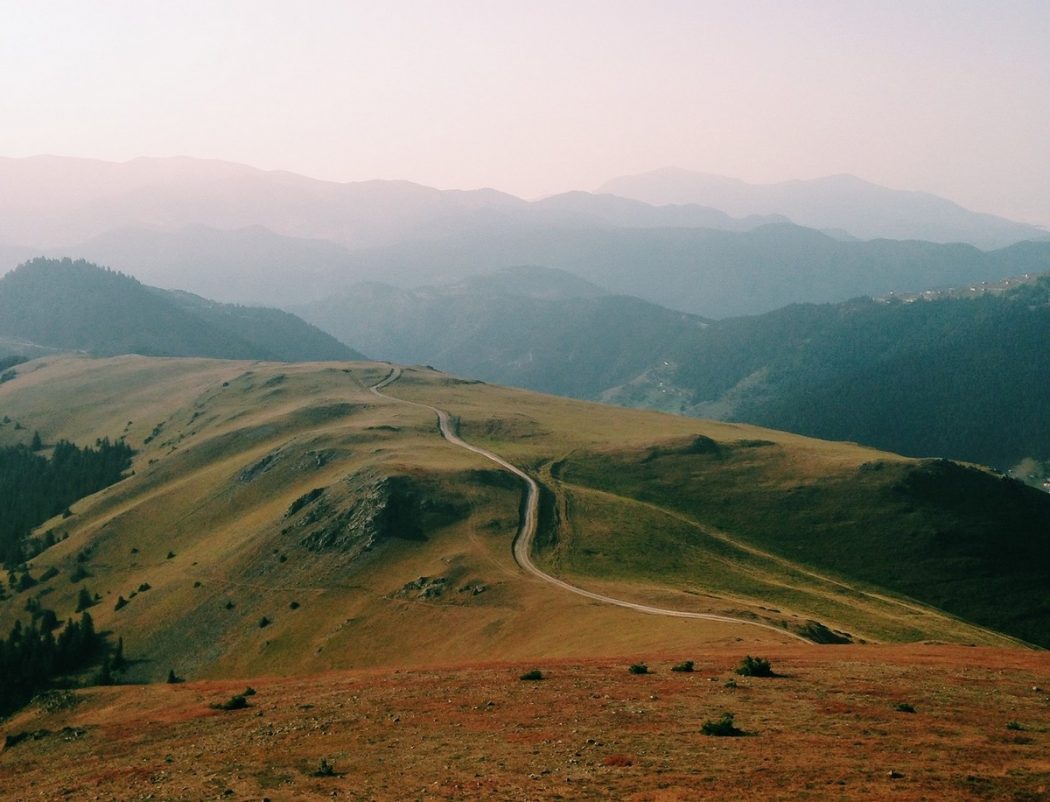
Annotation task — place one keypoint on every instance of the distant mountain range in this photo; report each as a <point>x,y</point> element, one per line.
<point>958,377</point>
<point>244,235</point>
<point>51,202</point>
<point>702,271</point>
<point>711,273</point>
<point>844,202</point>
<point>67,305</point>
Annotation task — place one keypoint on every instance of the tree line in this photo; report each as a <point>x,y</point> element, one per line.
<point>32,658</point>
<point>35,488</point>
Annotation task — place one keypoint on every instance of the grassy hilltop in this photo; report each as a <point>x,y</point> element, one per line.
<point>283,519</point>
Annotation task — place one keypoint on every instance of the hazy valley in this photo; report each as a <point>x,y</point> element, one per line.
<point>207,495</point>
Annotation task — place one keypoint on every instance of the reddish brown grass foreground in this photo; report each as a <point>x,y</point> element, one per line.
<point>827,729</point>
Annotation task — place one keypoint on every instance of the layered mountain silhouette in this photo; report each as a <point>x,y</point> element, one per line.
<point>67,305</point>
<point>244,235</point>
<point>842,202</point>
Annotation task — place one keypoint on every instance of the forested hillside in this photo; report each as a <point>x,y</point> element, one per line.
<point>960,377</point>
<point>74,305</point>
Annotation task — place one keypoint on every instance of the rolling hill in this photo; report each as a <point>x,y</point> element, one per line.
<point>284,519</point>
<point>843,202</point>
<point>529,327</point>
<point>961,374</point>
<point>77,306</point>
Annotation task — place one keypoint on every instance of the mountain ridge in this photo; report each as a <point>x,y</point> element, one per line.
<point>843,201</point>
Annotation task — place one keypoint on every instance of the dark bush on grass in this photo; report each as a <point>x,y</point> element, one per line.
<point>638,668</point>
<point>532,676</point>
<point>685,667</point>
<point>325,769</point>
<point>233,703</point>
<point>904,707</point>
<point>722,728</point>
<point>755,667</point>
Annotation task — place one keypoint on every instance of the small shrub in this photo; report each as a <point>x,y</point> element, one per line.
<point>121,603</point>
<point>197,584</point>
<point>532,676</point>
<point>723,728</point>
<point>1014,725</point>
<point>50,573</point>
<point>233,703</point>
<point>685,667</point>
<point>264,622</point>
<point>173,678</point>
<point>230,605</point>
<point>904,707</point>
<point>293,606</point>
<point>325,769</point>
<point>638,668</point>
<point>755,667</point>
<point>144,587</point>
<point>249,691</point>
<point>79,574</point>
<point>171,556</point>
<point>730,683</point>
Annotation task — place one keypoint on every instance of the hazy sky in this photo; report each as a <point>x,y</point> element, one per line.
<point>540,97</point>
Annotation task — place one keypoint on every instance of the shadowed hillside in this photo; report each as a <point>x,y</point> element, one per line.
<point>67,305</point>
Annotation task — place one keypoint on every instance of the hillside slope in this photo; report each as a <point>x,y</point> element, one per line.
<point>69,305</point>
<point>528,327</point>
<point>961,375</point>
<point>283,519</point>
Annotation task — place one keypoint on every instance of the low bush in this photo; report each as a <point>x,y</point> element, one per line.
<point>233,703</point>
<point>638,668</point>
<point>723,727</point>
<point>904,707</point>
<point>685,667</point>
<point>325,769</point>
<point>532,676</point>
<point>755,667</point>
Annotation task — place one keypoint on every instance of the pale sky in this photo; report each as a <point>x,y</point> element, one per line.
<point>541,97</point>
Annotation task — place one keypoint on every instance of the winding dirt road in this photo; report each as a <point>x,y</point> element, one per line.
<point>523,540</point>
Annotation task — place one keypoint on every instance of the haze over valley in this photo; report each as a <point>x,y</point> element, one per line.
<point>586,401</point>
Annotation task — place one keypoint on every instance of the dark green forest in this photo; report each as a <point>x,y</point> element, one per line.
<point>32,657</point>
<point>964,378</point>
<point>35,488</point>
<point>74,305</point>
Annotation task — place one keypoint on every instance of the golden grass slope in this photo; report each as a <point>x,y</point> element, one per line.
<point>225,448</point>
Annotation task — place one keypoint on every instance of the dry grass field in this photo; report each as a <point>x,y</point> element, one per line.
<point>827,729</point>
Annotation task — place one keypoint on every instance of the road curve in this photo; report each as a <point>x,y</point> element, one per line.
<point>523,540</point>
